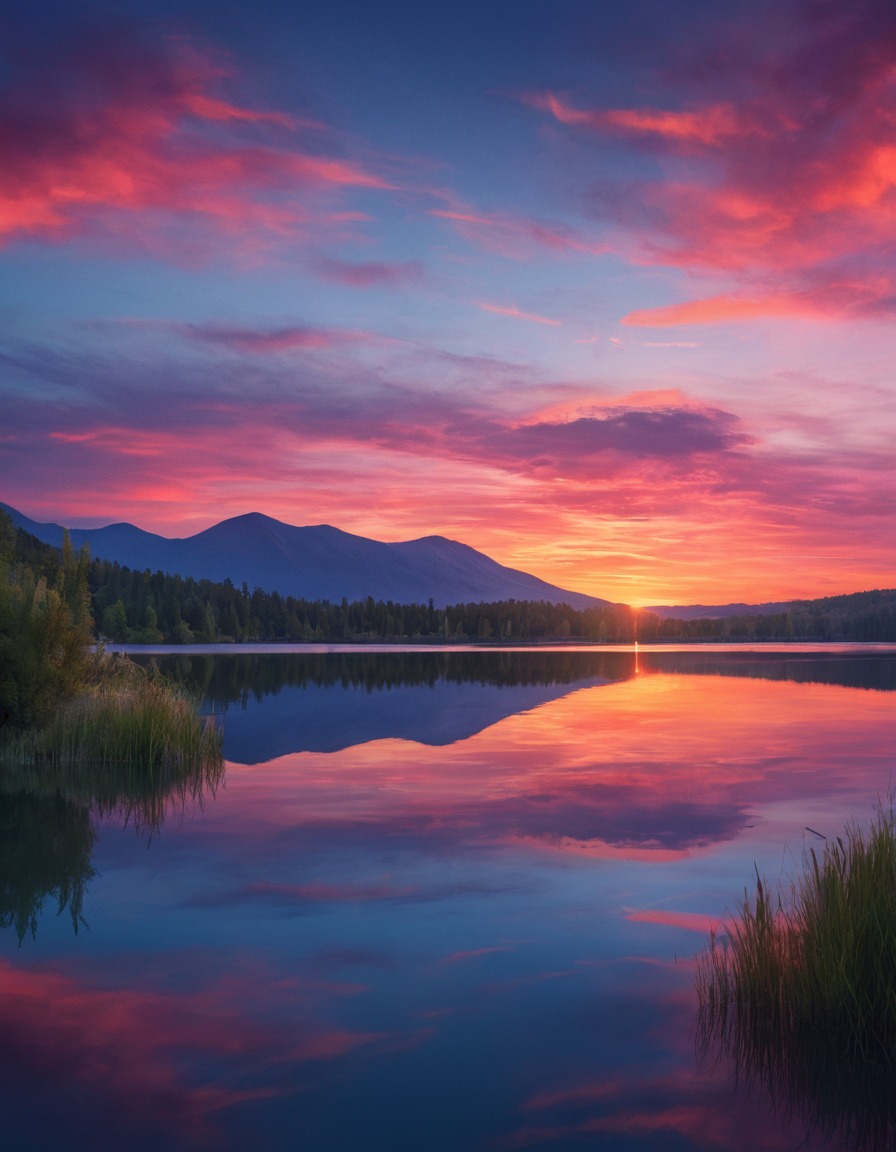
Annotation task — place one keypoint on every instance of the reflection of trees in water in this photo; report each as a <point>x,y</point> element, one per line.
<point>874,670</point>
<point>233,677</point>
<point>47,832</point>
<point>849,1103</point>
<point>227,678</point>
<point>46,844</point>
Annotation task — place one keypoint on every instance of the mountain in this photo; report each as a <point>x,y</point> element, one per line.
<point>315,563</point>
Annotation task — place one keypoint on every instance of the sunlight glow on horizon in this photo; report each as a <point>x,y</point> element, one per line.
<point>626,327</point>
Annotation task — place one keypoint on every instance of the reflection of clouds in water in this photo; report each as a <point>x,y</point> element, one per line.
<point>292,702</point>
<point>662,1102</point>
<point>311,897</point>
<point>320,719</point>
<point>447,939</point>
<point>664,764</point>
<point>123,1049</point>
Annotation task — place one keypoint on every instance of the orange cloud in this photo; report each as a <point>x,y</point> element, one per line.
<point>721,310</point>
<point>835,298</point>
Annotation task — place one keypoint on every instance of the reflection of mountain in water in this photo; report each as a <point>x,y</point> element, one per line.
<point>327,702</point>
<point>319,719</point>
<point>324,702</point>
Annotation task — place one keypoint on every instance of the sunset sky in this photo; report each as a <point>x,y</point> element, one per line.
<point>605,290</point>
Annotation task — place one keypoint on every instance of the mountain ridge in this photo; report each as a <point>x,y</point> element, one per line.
<point>315,562</point>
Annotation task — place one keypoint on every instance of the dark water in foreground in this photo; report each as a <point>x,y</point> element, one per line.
<point>441,901</point>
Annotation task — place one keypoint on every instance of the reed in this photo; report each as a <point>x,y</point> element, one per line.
<point>821,963</point>
<point>800,990</point>
<point>129,727</point>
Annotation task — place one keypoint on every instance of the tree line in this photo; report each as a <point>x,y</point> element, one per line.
<point>155,608</point>
<point>130,606</point>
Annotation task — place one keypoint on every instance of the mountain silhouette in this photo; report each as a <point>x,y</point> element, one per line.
<point>315,563</point>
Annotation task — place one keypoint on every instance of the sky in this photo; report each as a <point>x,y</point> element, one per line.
<point>606,291</point>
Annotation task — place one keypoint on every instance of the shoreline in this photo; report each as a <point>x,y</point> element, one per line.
<point>268,648</point>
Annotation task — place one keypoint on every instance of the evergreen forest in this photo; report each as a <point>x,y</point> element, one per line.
<point>153,607</point>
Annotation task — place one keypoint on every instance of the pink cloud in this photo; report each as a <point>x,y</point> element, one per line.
<point>518,314</point>
<point>727,509</point>
<point>208,108</point>
<point>472,954</point>
<point>705,126</point>
<point>789,187</point>
<point>111,134</point>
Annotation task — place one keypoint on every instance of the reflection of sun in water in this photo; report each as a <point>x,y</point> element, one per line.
<point>635,630</point>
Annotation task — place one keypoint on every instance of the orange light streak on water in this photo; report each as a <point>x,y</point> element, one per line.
<point>653,767</point>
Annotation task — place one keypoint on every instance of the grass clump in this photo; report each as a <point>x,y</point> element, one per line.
<point>820,965</point>
<point>126,717</point>
<point>800,990</point>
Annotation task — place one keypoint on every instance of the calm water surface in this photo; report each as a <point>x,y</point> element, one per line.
<point>440,901</point>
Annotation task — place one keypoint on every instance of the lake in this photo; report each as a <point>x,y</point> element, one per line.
<point>441,900</point>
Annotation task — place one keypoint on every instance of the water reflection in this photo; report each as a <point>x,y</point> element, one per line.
<point>46,843</point>
<point>228,677</point>
<point>844,1103</point>
<point>48,816</point>
<point>653,768</point>
<point>327,702</point>
<point>481,944</point>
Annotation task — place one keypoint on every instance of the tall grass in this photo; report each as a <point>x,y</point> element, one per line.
<point>131,738</point>
<point>131,745</point>
<point>801,989</point>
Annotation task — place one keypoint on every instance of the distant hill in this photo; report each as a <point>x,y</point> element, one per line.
<point>315,563</point>
<point>868,616</point>
<point>718,611</point>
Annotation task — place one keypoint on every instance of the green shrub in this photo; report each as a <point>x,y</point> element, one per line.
<point>129,732</point>
<point>45,634</point>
